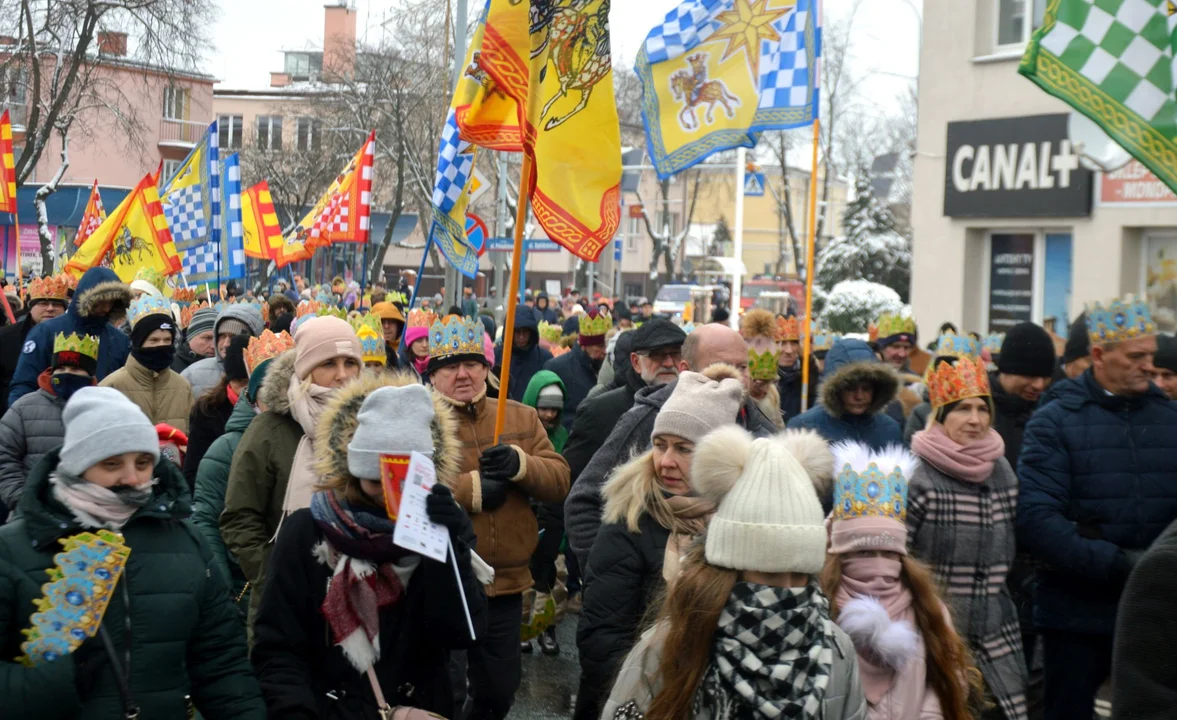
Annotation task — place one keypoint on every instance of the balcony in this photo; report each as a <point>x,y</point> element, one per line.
<point>180,133</point>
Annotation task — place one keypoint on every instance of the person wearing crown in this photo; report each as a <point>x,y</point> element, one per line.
<point>579,368</point>
<point>47,298</point>
<point>788,336</point>
<point>962,501</point>
<point>496,485</point>
<point>896,338</point>
<point>1098,485</point>
<point>948,345</point>
<point>414,351</point>
<point>912,663</point>
<point>32,426</point>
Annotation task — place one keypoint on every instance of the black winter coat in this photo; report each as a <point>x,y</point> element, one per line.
<point>298,662</point>
<point>789,386</point>
<point>185,358</point>
<point>203,429</point>
<point>575,369</point>
<point>527,362</point>
<point>1012,415</point>
<point>12,339</point>
<point>596,420</point>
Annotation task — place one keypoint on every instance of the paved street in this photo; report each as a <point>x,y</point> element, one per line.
<point>549,682</point>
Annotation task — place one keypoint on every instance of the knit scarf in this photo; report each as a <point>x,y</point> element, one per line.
<point>971,463</point>
<point>688,519</point>
<point>772,657</point>
<point>877,578</point>
<point>307,403</point>
<point>94,506</point>
<point>370,574</point>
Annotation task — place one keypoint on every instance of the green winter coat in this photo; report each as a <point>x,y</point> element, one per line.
<point>171,611</point>
<point>212,478</point>
<point>538,382</point>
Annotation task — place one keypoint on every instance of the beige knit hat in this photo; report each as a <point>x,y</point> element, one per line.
<point>700,403</point>
<point>319,339</point>
<point>769,517</point>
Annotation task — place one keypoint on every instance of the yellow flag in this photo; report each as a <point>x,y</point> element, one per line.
<point>260,222</point>
<point>136,235</point>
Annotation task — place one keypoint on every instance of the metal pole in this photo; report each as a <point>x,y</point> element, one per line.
<point>738,238</point>
<point>808,332</point>
<point>500,259</point>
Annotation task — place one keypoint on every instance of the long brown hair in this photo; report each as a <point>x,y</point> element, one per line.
<point>691,614</point>
<point>951,673</point>
<point>210,402</point>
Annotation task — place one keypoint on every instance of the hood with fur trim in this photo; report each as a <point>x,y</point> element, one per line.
<point>277,383</point>
<point>854,369</point>
<point>338,424</point>
<point>97,285</point>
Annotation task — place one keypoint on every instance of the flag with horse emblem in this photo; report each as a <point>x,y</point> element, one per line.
<point>540,80</point>
<point>717,73</point>
<point>135,236</point>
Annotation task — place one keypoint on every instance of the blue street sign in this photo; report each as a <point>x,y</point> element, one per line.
<point>617,250</point>
<point>754,184</point>
<point>536,245</point>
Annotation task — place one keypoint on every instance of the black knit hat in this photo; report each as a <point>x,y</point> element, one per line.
<point>148,324</point>
<point>1166,357</point>
<point>1027,350</point>
<point>1078,345</point>
<point>234,359</point>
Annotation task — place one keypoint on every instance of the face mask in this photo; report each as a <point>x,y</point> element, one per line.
<point>133,496</point>
<point>64,386</point>
<point>155,359</point>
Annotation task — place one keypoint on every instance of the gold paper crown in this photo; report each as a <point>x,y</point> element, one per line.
<point>421,318</point>
<point>49,288</point>
<point>763,366</point>
<point>264,347</point>
<point>890,325</point>
<point>371,344</point>
<point>332,311</point>
<point>366,320</point>
<point>949,383</point>
<point>153,276</point>
<point>184,295</point>
<point>148,305</point>
<point>595,324</point>
<point>1121,320</point>
<point>551,333</point>
<point>82,344</point>
<point>307,307</point>
<point>455,335</point>
<point>186,313</point>
<point>787,329</point>
<point>950,344</point>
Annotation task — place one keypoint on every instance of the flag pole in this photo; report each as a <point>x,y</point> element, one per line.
<point>812,227</point>
<point>20,290</point>
<point>420,272</point>
<point>509,328</point>
<point>738,244</point>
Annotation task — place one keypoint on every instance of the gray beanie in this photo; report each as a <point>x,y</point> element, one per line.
<point>242,317</point>
<point>391,420</point>
<point>698,405</point>
<point>550,396</point>
<point>203,320</point>
<point>100,422</point>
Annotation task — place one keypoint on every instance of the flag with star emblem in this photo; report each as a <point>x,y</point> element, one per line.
<point>1113,61</point>
<point>717,73</point>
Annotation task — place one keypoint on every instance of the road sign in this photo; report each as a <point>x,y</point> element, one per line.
<point>478,186</point>
<point>754,184</point>
<point>531,246</point>
<point>476,233</point>
<point>617,250</point>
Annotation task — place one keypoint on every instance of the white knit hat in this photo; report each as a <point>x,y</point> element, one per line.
<point>100,422</point>
<point>769,517</point>
<point>700,402</point>
<point>391,420</point>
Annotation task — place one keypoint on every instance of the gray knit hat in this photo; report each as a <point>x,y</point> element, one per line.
<point>241,317</point>
<point>550,396</point>
<point>698,404</point>
<point>100,422</point>
<point>203,320</point>
<point>392,420</point>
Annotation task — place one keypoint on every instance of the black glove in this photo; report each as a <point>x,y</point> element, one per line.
<point>442,509</point>
<point>500,462</point>
<point>494,493</point>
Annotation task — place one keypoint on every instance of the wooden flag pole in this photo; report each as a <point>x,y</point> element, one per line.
<point>20,278</point>
<point>512,300</point>
<point>807,343</point>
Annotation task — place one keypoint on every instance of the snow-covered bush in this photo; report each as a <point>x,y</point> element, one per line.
<point>853,304</point>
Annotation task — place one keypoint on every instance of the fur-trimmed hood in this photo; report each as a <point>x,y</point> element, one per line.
<point>274,389</point>
<point>850,363</point>
<point>338,424</point>
<point>625,490</point>
<point>97,285</point>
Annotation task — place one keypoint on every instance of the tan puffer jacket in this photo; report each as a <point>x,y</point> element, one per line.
<point>163,397</point>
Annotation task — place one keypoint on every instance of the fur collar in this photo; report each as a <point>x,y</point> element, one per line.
<point>117,293</point>
<point>625,490</point>
<point>883,379</point>
<point>274,389</point>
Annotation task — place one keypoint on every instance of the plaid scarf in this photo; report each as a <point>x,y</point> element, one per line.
<point>772,657</point>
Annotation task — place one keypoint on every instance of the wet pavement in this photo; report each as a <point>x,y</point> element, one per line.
<point>549,682</point>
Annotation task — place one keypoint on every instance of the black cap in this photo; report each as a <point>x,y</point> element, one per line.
<point>1166,357</point>
<point>1027,350</point>
<point>149,324</point>
<point>657,333</point>
<point>1078,345</point>
<point>234,359</point>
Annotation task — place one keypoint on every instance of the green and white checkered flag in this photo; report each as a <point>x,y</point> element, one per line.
<point>1113,61</point>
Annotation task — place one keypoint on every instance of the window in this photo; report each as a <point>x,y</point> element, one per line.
<point>308,134</point>
<point>230,128</point>
<point>304,66</point>
<point>170,167</point>
<point>176,101</point>
<point>1013,29</point>
<point>269,132</point>
<point>636,229</point>
<point>1158,278</point>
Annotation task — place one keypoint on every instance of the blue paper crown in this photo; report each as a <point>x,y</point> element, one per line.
<point>688,328</point>
<point>455,335</point>
<point>148,305</point>
<point>871,484</point>
<point>993,343</point>
<point>1122,319</point>
<point>952,345</point>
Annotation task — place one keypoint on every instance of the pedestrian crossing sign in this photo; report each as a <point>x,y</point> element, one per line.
<point>754,184</point>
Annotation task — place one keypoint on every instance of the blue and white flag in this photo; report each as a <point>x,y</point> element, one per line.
<point>192,205</point>
<point>455,169</point>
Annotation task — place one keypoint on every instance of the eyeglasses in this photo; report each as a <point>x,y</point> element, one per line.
<point>659,355</point>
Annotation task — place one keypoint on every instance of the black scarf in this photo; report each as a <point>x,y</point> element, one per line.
<point>772,656</point>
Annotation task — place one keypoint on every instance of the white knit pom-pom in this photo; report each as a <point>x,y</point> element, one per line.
<point>720,458</point>
<point>811,450</point>
<point>892,643</point>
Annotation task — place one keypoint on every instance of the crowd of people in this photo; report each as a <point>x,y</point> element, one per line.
<point>202,506</point>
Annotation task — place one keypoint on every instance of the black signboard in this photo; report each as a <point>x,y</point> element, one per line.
<point>1014,167</point>
<point>1011,281</point>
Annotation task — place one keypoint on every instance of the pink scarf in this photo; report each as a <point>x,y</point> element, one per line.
<point>971,463</point>
<point>878,578</point>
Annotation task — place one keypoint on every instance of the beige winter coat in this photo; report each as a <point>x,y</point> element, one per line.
<point>163,397</point>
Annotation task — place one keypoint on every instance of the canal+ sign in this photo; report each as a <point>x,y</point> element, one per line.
<point>1014,167</point>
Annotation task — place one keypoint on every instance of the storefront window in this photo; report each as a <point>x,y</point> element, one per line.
<point>1056,291</point>
<point>1160,279</point>
<point>1011,280</point>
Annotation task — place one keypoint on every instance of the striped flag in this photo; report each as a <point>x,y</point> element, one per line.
<point>262,235</point>
<point>135,236</point>
<point>7,167</point>
<point>92,218</point>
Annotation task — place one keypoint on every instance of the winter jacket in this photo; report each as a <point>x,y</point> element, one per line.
<point>918,420</point>
<point>258,476</point>
<point>508,535</point>
<point>99,284</point>
<point>582,510</point>
<point>164,397</point>
<point>527,362</point>
<point>206,373</point>
<point>203,430</point>
<point>543,307</point>
<point>28,431</point>
<point>541,380</point>
<point>637,681</point>
<point>12,340</point>
<point>170,613</point>
<point>1099,478</point>
<point>1144,686</point>
<point>849,363</point>
<point>575,368</point>
<point>185,358</point>
<point>1012,415</point>
<point>211,481</point>
<point>789,386</point>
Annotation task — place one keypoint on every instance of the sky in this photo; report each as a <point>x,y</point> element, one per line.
<point>250,36</point>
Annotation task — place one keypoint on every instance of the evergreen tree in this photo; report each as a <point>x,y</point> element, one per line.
<point>871,249</point>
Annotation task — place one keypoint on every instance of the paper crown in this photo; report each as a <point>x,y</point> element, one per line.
<point>148,305</point>
<point>993,343</point>
<point>823,339</point>
<point>188,311</point>
<point>152,276</point>
<point>56,287</point>
<point>455,335</point>
<point>421,318</point>
<point>952,345</point>
<point>595,323</point>
<point>787,329</point>
<point>86,345</point>
<point>1122,319</point>
<point>549,332</point>
<point>890,325</point>
<point>264,347</point>
<point>332,311</point>
<point>688,327</point>
<point>325,297</point>
<point>184,295</point>
<point>763,366</point>
<point>950,382</point>
<point>365,320</point>
<point>307,307</point>
<point>372,345</point>
<point>395,297</point>
<point>871,483</point>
